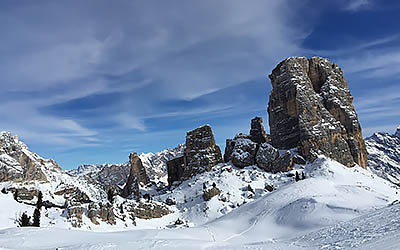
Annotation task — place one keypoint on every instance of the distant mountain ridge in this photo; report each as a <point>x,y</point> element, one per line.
<point>155,165</point>
<point>384,155</point>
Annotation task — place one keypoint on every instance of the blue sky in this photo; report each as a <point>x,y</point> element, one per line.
<point>90,81</point>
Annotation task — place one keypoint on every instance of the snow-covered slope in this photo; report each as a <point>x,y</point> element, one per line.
<point>384,155</point>
<point>291,217</point>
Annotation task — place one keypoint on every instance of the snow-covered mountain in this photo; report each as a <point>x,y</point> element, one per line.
<point>155,165</point>
<point>28,173</point>
<point>384,155</point>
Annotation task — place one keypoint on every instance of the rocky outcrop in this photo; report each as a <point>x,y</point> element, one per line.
<point>101,211</point>
<point>266,157</point>
<point>384,155</point>
<point>257,132</point>
<point>148,210</point>
<point>18,164</point>
<point>75,215</point>
<point>73,195</point>
<point>137,175</point>
<point>200,155</point>
<point>24,194</point>
<point>310,107</point>
<point>201,152</point>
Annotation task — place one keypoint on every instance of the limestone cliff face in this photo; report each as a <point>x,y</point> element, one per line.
<point>310,107</point>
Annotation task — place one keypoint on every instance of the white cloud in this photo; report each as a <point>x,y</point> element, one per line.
<point>357,5</point>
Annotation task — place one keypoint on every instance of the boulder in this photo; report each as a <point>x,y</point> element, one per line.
<point>266,156</point>
<point>244,152</point>
<point>284,163</point>
<point>310,107</point>
<point>210,193</point>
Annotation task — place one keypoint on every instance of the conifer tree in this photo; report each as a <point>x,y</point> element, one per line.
<point>297,176</point>
<point>24,220</point>
<point>16,195</point>
<point>39,202</point>
<point>36,218</point>
<point>110,195</point>
<point>303,176</point>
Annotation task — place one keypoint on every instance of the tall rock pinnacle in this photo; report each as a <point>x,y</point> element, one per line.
<point>311,107</point>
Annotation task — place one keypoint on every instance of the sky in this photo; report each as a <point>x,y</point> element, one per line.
<point>86,82</point>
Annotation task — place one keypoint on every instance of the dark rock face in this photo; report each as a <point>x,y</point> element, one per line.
<point>266,156</point>
<point>176,169</point>
<point>310,107</point>
<point>200,155</point>
<point>137,175</point>
<point>257,132</point>
<point>230,144</point>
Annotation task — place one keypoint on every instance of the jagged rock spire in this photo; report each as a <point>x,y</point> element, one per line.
<point>310,107</point>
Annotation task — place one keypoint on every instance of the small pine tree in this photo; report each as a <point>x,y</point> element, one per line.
<point>204,186</point>
<point>297,176</point>
<point>16,195</point>
<point>214,185</point>
<point>36,218</point>
<point>110,195</point>
<point>39,202</point>
<point>24,220</point>
<point>3,190</point>
<point>303,176</point>
<point>121,209</point>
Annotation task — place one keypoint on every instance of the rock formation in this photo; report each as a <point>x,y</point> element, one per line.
<point>257,132</point>
<point>310,107</point>
<point>137,175</point>
<point>244,151</point>
<point>200,155</point>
